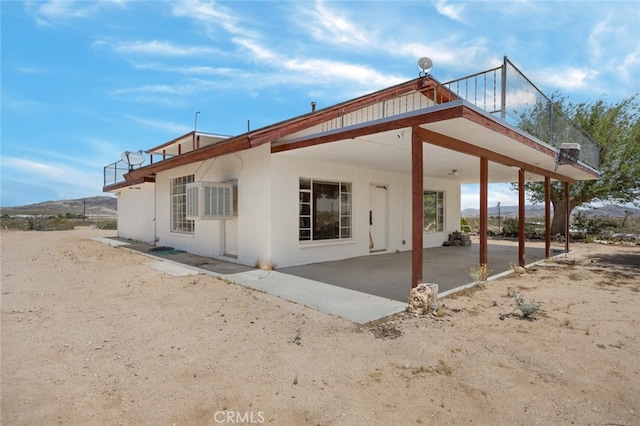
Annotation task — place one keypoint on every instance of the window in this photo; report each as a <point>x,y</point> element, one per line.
<point>210,200</point>
<point>179,221</point>
<point>433,202</point>
<point>325,210</point>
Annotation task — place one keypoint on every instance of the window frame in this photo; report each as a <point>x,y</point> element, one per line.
<point>439,211</point>
<point>308,231</point>
<point>178,205</point>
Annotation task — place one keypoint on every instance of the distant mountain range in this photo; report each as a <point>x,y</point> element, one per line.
<point>538,211</point>
<point>106,206</point>
<point>101,206</point>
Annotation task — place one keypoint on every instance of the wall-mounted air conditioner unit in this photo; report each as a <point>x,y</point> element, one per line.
<point>210,200</point>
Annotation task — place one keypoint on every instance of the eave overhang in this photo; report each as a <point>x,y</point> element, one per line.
<point>126,184</point>
<point>461,127</point>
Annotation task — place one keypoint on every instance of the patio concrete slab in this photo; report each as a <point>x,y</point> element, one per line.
<point>389,275</point>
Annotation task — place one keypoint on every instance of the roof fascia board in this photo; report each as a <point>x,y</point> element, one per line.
<point>171,142</point>
<point>124,184</point>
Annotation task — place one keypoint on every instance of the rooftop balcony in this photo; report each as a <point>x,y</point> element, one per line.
<point>503,92</point>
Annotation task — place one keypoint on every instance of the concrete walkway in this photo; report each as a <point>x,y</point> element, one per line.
<point>360,289</point>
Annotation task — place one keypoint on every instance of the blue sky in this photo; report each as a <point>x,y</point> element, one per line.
<point>83,81</point>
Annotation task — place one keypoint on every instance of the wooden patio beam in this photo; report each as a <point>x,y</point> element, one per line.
<point>448,142</point>
<point>379,127</point>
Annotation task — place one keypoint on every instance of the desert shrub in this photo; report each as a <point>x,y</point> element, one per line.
<point>106,224</point>
<point>480,273</point>
<point>527,308</point>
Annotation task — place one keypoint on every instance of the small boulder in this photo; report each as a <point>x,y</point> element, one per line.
<point>422,300</point>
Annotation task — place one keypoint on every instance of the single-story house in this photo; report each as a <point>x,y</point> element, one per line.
<point>376,174</point>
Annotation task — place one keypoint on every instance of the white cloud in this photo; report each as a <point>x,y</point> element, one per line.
<point>173,128</point>
<point>164,89</point>
<point>161,48</point>
<point>189,70</point>
<point>60,178</point>
<point>447,53</point>
<point>30,70</point>
<point>597,37</point>
<point>330,26</point>
<point>313,71</point>
<point>210,13</point>
<point>565,78</point>
<point>496,193</point>
<point>23,106</point>
<point>630,66</point>
<point>52,12</point>
<point>449,10</point>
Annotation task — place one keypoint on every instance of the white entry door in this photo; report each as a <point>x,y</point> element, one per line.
<point>377,218</point>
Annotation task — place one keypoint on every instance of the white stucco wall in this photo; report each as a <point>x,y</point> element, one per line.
<point>244,239</point>
<point>288,251</point>
<point>136,213</point>
<point>265,227</point>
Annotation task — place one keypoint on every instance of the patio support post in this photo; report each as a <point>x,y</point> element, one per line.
<point>567,219</point>
<point>417,207</point>
<point>547,217</point>
<point>521,217</point>
<point>484,205</point>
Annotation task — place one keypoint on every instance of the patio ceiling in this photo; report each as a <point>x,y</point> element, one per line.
<point>459,134</point>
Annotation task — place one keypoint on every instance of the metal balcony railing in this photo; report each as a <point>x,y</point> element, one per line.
<point>508,94</point>
<point>114,172</point>
<point>503,92</point>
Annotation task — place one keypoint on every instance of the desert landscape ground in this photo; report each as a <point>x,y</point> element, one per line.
<point>92,335</point>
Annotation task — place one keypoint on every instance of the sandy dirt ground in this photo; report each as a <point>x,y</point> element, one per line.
<point>92,335</point>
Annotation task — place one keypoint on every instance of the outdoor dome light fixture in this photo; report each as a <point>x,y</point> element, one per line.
<point>453,172</point>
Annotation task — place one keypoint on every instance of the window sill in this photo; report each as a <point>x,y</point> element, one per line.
<point>182,234</point>
<point>324,243</point>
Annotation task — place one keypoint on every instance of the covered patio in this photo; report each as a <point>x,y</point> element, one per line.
<point>386,275</point>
